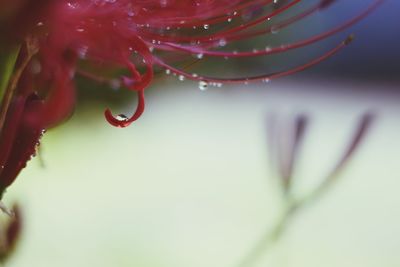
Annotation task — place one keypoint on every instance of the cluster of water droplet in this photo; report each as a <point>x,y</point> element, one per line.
<point>202,84</point>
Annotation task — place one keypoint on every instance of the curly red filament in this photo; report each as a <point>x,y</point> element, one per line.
<point>122,34</point>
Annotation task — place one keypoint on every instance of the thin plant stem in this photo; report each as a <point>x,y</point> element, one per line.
<point>293,205</point>
<point>271,236</point>
<point>8,59</point>
<point>289,210</point>
<point>10,88</point>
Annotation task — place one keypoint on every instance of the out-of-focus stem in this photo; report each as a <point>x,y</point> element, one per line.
<point>8,80</point>
<point>8,58</point>
<point>293,205</point>
<point>271,236</point>
<point>290,208</point>
<point>31,46</point>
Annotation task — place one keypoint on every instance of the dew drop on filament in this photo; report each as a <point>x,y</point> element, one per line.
<point>203,85</point>
<point>122,117</point>
<point>222,42</point>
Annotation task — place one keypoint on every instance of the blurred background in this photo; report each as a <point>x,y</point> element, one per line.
<point>190,184</point>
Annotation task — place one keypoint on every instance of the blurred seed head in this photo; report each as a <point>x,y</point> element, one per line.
<point>285,137</point>
<point>10,229</point>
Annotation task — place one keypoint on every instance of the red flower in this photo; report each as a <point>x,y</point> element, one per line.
<point>131,35</point>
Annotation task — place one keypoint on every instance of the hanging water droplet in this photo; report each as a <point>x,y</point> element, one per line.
<point>206,26</point>
<point>200,56</point>
<point>203,85</point>
<point>168,71</point>
<point>122,117</point>
<point>181,78</point>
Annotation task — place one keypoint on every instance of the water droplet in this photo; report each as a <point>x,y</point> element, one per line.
<point>122,117</point>
<point>72,5</point>
<point>200,56</point>
<point>206,26</point>
<point>203,85</point>
<point>222,42</point>
<point>168,71</point>
<point>275,29</point>
<point>181,78</point>
<point>163,3</point>
<point>82,51</point>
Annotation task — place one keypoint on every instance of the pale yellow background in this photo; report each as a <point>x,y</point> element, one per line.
<point>189,184</point>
